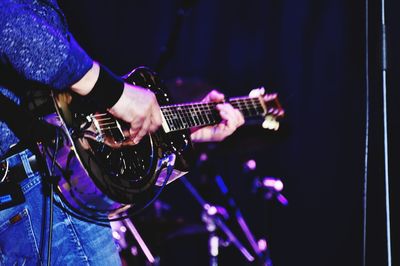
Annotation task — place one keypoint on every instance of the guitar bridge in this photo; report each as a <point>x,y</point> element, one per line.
<point>106,128</point>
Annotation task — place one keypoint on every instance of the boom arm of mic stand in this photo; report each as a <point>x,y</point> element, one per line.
<point>232,238</point>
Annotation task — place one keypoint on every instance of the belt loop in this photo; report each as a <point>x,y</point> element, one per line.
<point>26,164</point>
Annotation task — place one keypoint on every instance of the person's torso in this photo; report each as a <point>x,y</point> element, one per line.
<point>48,11</point>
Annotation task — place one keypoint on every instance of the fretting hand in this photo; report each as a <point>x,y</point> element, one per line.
<point>231,119</point>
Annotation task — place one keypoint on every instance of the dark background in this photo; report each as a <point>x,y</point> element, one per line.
<point>312,53</point>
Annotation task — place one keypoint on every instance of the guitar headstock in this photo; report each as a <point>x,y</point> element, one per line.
<point>272,108</point>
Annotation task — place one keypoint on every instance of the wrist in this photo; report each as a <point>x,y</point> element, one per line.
<point>87,82</point>
<point>106,89</point>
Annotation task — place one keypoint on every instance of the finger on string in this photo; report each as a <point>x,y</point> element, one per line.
<point>154,124</point>
<point>239,117</point>
<point>156,116</point>
<point>153,127</point>
<point>140,135</point>
<point>226,111</point>
<point>214,96</point>
<point>139,132</point>
<point>136,124</point>
<point>133,132</point>
<point>269,97</point>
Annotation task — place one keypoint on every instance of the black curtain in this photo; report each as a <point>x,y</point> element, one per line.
<point>312,53</point>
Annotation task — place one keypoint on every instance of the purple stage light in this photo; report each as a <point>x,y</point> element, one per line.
<point>203,157</point>
<point>274,183</point>
<point>262,244</point>
<point>251,165</point>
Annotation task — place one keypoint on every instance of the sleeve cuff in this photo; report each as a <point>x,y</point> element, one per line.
<point>75,66</point>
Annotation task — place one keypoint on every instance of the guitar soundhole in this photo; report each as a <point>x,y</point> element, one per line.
<point>127,166</point>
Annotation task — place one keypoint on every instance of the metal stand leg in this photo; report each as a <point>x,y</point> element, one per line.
<point>213,239</point>
<point>211,215</point>
<point>128,224</point>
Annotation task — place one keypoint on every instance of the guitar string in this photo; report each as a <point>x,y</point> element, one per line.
<point>194,114</point>
<point>244,100</point>
<point>190,116</point>
<point>189,112</point>
<point>255,102</point>
<point>195,110</point>
<point>190,108</point>
<point>248,103</point>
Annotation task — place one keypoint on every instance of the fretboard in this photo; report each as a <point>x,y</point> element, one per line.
<point>189,115</point>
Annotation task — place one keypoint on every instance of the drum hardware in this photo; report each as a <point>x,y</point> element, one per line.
<point>120,228</point>
<point>271,187</point>
<point>214,218</point>
<point>259,247</point>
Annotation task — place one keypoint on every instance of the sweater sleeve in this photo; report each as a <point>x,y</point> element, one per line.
<point>38,50</point>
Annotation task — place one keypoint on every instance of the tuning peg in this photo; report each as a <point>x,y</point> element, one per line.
<point>270,123</point>
<point>257,92</point>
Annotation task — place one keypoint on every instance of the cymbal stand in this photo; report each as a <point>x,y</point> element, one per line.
<point>213,220</point>
<point>263,255</point>
<point>213,240</point>
<point>128,224</point>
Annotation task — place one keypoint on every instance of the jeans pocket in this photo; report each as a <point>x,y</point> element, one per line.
<point>17,241</point>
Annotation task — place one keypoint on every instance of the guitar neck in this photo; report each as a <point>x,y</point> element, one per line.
<point>189,115</point>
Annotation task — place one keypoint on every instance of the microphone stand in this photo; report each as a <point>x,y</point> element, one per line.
<point>262,255</point>
<point>384,69</point>
<point>213,222</point>
<point>168,50</point>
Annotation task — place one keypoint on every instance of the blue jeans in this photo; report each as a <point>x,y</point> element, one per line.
<point>24,231</point>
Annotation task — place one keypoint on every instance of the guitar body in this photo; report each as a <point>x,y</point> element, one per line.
<point>100,173</point>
